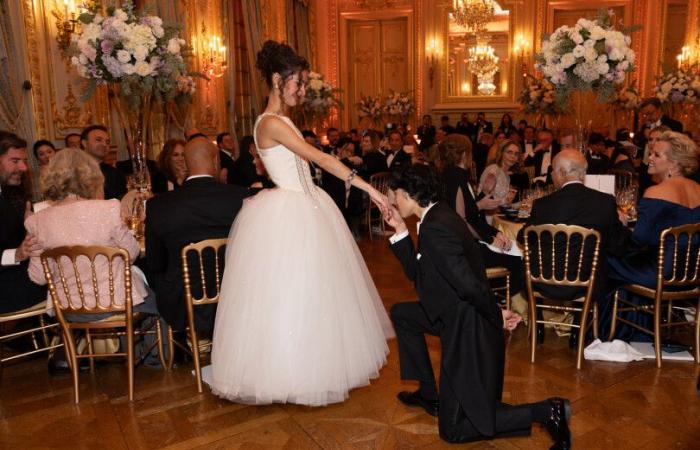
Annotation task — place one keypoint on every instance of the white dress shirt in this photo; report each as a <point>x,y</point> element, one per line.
<point>546,161</point>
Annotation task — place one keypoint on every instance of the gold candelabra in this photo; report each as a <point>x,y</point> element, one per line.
<point>212,53</point>
<point>521,50</point>
<point>432,54</point>
<point>66,23</point>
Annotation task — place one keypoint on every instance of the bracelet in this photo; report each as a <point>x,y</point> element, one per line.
<point>351,176</point>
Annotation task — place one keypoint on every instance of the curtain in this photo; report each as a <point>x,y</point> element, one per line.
<point>254,35</point>
<point>12,91</point>
<point>298,35</point>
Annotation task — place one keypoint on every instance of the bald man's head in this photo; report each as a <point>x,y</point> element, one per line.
<point>202,157</point>
<point>568,165</point>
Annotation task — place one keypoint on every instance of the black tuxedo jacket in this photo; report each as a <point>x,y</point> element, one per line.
<point>576,204</point>
<point>401,158</point>
<point>426,134</point>
<point>227,163</point>
<point>16,290</point>
<point>452,288</point>
<point>536,160</point>
<point>455,178</point>
<point>374,162</point>
<point>115,182</point>
<point>201,209</point>
<point>674,125</point>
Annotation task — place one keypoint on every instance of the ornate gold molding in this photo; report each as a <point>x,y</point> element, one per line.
<point>33,66</point>
<point>691,28</point>
<point>74,114</point>
<point>312,32</point>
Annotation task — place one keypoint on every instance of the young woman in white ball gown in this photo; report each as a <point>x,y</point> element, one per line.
<point>299,319</point>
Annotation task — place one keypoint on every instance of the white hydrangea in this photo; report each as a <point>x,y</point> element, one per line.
<point>143,69</point>
<point>174,46</point>
<point>568,60</point>
<point>121,15</point>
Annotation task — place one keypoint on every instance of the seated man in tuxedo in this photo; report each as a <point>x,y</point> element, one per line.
<point>542,155</point>
<point>202,209</point>
<point>397,155</point>
<point>575,204</point>
<point>17,291</point>
<point>95,141</point>
<point>227,156</point>
<point>456,304</point>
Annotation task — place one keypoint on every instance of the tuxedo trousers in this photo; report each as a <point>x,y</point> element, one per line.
<point>411,324</point>
<point>17,291</point>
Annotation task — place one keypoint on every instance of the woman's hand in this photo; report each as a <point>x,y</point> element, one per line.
<point>380,200</point>
<point>394,220</point>
<point>502,242</point>
<point>488,184</point>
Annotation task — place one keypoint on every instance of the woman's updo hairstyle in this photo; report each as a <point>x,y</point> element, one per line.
<point>275,57</point>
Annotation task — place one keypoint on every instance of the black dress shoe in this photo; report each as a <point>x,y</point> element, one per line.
<point>573,339</point>
<point>540,333</point>
<point>415,399</point>
<point>557,423</point>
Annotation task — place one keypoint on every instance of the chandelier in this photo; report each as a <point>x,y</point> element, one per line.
<point>483,62</point>
<point>472,14</point>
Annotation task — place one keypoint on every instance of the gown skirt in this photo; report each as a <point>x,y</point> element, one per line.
<point>299,319</point>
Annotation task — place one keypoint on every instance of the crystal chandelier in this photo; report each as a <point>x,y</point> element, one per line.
<point>472,14</point>
<point>483,62</point>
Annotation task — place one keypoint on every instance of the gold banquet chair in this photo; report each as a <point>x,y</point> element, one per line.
<point>379,181</point>
<point>61,264</point>
<point>198,248</point>
<point>682,283</point>
<point>37,311</point>
<point>573,271</point>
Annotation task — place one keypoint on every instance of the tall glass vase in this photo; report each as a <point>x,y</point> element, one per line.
<point>135,123</point>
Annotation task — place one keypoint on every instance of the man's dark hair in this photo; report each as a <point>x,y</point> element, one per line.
<point>523,121</point>
<point>596,138</point>
<point>89,129</point>
<point>39,143</point>
<point>328,131</point>
<point>197,135</point>
<point>394,131</point>
<point>10,140</point>
<point>220,137</point>
<point>650,101</point>
<point>308,133</point>
<point>68,136</point>
<point>447,118</point>
<point>419,181</point>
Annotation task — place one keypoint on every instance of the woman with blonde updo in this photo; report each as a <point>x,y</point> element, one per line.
<point>73,183</point>
<point>674,201</point>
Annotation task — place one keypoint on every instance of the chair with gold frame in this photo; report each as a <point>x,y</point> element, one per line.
<point>217,245</point>
<point>37,311</point>
<point>61,264</point>
<point>676,280</point>
<point>573,264</point>
<point>379,181</point>
<point>498,272</point>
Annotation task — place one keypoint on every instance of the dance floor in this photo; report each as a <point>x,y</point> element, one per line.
<point>615,406</point>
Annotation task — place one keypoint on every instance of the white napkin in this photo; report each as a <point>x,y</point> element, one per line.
<point>617,351</point>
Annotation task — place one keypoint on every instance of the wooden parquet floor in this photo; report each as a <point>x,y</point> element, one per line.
<point>616,406</point>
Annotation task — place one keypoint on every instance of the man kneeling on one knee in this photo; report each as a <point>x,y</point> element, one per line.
<point>456,304</point>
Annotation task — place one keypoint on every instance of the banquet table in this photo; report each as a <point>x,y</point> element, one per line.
<point>509,227</point>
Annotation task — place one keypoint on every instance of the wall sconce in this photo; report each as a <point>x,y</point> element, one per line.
<point>212,54</point>
<point>521,50</point>
<point>432,56</point>
<point>66,22</point>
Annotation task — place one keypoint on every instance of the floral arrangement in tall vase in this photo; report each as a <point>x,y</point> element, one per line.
<point>141,61</point>
<point>590,56</point>
<point>538,98</point>
<point>398,106</point>
<point>679,92</point>
<point>320,99</point>
<point>370,110</point>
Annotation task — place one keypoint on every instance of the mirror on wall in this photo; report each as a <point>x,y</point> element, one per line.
<point>478,63</point>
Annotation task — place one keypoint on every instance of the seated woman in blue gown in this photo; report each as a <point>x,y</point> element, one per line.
<point>673,202</point>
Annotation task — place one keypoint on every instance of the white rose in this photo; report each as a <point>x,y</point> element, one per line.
<point>155,21</point>
<point>174,46</point>
<point>576,37</point>
<point>615,55</point>
<point>590,54</point>
<point>98,19</point>
<point>123,56</point>
<point>588,43</point>
<point>120,15</point>
<point>158,32</point>
<point>140,53</point>
<point>579,51</point>
<point>128,69</point>
<point>603,68</point>
<point>623,65</point>
<point>568,60</point>
<point>597,33</point>
<point>143,69</point>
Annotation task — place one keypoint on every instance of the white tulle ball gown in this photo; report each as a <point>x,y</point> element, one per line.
<point>299,319</point>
